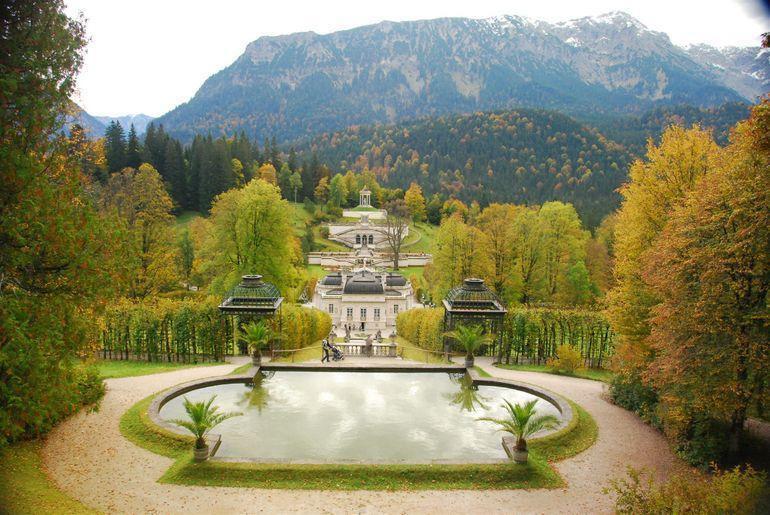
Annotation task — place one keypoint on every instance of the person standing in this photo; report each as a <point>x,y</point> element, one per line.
<point>325,346</point>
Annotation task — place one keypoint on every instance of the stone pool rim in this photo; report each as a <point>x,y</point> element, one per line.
<point>160,400</point>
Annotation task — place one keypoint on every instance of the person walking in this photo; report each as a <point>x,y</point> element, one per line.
<point>326,350</point>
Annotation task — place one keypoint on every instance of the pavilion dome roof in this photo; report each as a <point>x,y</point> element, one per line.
<point>252,295</point>
<point>472,295</point>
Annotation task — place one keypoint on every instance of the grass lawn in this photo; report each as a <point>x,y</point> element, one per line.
<point>413,273</point>
<point>109,369</point>
<point>579,435</point>
<point>184,218</point>
<point>315,271</point>
<point>24,486</point>
<point>427,233</point>
<point>597,374</point>
<point>408,351</point>
<point>364,208</point>
<point>326,245</point>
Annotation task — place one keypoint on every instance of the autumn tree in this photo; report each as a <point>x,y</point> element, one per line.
<point>251,233</point>
<point>657,186</point>
<point>564,243</point>
<point>710,270</point>
<point>496,221</point>
<point>337,191</point>
<point>459,252</point>
<point>267,173</point>
<point>415,202</point>
<point>528,236</point>
<point>185,256</point>
<point>321,192</point>
<point>295,183</point>
<point>143,207</point>
<point>55,251</point>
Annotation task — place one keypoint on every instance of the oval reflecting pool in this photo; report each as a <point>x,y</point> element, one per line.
<point>362,416</point>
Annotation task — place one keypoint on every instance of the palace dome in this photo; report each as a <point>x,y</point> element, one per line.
<point>395,280</point>
<point>364,282</point>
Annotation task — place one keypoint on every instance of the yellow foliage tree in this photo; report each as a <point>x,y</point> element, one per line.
<point>657,186</point>
<point>143,207</point>
<point>415,202</point>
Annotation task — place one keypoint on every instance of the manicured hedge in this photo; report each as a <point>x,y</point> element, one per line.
<point>530,335</point>
<point>194,330</point>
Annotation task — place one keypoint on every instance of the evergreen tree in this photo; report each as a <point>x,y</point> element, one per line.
<point>175,174</point>
<point>133,151</point>
<point>115,147</point>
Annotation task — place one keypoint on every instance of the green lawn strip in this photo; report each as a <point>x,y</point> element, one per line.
<point>111,369</point>
<point>407,351</point>
<point>595,374</point>
<point>310,353</point>
<point>135,425</point>
<point>536,474</point>
<point>579,435</point>
<point>241,370</point>
<point>481,372</point>
<point>24,486</point>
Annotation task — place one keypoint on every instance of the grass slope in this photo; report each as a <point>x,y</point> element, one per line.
<point>595,374</point>
<point>25,488</point>
<point>109,369</point>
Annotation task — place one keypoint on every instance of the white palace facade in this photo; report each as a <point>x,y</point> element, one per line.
<point>358,293</point>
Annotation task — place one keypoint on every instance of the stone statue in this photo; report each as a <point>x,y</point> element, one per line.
<point>369,345</point>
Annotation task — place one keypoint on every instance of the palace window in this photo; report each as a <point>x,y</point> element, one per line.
<point>363,313</point>
<point>395,309</point>
<point>376,313</point>
<point>371,239</point>
<point>350,312</point>
<point>358,239</point>
<point>331,308</point>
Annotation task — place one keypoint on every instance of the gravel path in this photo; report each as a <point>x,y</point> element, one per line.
<point>87,457</point>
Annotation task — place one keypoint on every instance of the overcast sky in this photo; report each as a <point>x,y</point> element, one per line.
<point>148,56</point>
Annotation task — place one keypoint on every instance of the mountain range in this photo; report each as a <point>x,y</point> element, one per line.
<point>302,84</point>
<point>140,121</point>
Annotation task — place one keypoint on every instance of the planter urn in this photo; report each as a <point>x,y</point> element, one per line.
<point>469,361</point>
<point>256,359</point>
<point>520,456</point>
<point>201,453</point>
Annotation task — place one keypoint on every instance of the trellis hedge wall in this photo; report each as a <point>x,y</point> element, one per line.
<point>194,331</point>
<point>530,335</point>
<point>185,331</point>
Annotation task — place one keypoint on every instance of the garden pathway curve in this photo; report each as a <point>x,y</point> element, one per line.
<point>87,457</point>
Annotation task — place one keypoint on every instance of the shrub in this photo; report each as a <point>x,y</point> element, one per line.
<point>89,384</point>
<point>568,360</point>
<point>629,392</point>
<point>732,491</point>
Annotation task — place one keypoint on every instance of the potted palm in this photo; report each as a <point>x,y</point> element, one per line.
<point>470,338</point>
<point>257,336</point>
<point>522,423</point>
<point>202,417</point>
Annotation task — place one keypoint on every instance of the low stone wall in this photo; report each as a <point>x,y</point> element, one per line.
<point>561,404</point>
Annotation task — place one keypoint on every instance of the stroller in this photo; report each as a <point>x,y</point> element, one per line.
<point>336,352</point>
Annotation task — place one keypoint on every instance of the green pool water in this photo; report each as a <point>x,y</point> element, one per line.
<point>359,416</point>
